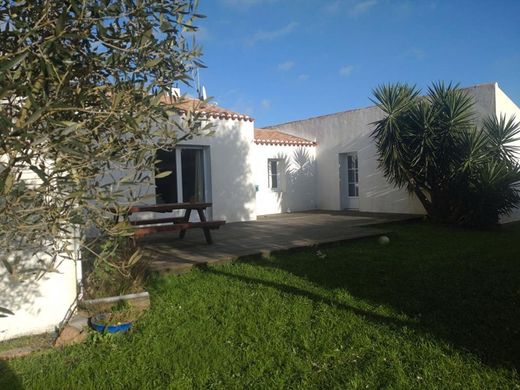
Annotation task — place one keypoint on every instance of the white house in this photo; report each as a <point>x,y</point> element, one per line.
<point>242,171</point>
<point>327,162</point>
<point>347,174</point>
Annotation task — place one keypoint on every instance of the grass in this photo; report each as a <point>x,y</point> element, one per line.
<point>436,308</point>
<point>39,341</point>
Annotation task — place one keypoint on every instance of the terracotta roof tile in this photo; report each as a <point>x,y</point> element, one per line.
<point>207,110</point>
<point>273,137</point>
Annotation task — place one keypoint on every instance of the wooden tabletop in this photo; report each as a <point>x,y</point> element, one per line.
<point>164,207</point>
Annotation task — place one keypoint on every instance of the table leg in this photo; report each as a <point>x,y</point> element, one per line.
<point>207,233</point>
<point>186,219</point>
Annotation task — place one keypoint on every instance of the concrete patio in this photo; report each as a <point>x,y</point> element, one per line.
<point>169,254</point>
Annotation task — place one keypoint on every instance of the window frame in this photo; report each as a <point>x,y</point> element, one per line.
<point>270,175</point>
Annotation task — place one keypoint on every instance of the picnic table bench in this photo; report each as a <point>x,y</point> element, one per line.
<point>181,224</point>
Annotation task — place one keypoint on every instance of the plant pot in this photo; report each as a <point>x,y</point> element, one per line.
<point>99,323</point>
<point>115,314</point>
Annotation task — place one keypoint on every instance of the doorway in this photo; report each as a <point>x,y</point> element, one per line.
<point>349,181</point>
<point>189,180</point>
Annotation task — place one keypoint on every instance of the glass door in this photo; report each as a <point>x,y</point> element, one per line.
<point>189,179</point>
<point>166,187</point>
<point>192,162</point>
<point>349,180</point>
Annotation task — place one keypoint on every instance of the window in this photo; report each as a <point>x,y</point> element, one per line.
<point>273,168</point>
<point>352,175</point>
<point>186,183</point>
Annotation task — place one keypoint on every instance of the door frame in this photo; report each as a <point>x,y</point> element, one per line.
<point>346,201</point>
<point>206,156</point>
<point>206,167</point>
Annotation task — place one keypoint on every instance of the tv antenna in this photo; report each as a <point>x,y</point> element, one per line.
<point>201,90</point>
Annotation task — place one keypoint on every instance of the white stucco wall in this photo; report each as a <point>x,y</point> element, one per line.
<point>232,159</point>
<point>298,179</point>
<point>505,106</point>
<point>229,148</point>
<point>491,100</point>
<point>347,132</point>
<point>484,98</point>
<point>39,305</point>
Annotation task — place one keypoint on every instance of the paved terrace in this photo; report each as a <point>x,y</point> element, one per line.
<point>168,254</point>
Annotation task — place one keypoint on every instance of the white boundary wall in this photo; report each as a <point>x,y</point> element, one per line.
<point>39,306</point>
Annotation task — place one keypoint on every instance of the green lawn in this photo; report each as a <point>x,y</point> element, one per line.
<point>437,308</point>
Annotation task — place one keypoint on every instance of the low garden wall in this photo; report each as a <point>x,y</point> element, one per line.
<point>39,304</point>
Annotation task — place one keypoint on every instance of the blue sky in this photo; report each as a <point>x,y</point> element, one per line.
<point>281,60</point>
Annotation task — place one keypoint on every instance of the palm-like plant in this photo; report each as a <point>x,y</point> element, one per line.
<point>431,146</point>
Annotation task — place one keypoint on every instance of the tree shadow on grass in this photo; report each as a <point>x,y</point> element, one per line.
<point>8,379</point>
<point>461,286</point>
<point>285,288</point>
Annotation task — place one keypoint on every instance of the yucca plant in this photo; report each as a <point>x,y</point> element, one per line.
<point>432,146</point>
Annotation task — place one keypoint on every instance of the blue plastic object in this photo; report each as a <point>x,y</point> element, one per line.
<point>97,323</point>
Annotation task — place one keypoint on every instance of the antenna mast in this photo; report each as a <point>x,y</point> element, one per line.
<point>197,82</point>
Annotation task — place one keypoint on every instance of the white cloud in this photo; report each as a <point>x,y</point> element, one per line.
<point>353,8</point>
<point>346,70</point>
<point>270,35</point>
<point>332,8</point>
<point>362,7</point>
<point>303,77</point>
<point>266,103</point>
<point>285,66</point>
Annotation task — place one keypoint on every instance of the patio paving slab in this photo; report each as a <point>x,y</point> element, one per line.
<point>169,254</point>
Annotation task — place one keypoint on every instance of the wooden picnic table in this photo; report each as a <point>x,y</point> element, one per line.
<point>181,224</point>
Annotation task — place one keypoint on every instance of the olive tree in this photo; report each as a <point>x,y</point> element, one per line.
<point>462,171</point>
<point>82,113</point>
